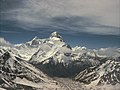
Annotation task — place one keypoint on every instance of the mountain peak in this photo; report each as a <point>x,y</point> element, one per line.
<point>56,36</point>
<point>35,41</point>
<point>35,38</point>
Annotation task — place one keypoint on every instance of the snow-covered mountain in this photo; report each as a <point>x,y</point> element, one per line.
<point>53,47</point>
<point>26,50</point>
<point>106,73</point>
<point>40,50</point>
<point>55,57</point>
<point>17,74</point>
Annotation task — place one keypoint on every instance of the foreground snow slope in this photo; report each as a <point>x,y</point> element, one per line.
<point>18,74</point>
<point>106,73</point>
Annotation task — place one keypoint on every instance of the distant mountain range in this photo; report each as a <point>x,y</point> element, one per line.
<point>23,65</point>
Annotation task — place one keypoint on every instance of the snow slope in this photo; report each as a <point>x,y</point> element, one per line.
<point>106,73</point>
<point>18,74</point>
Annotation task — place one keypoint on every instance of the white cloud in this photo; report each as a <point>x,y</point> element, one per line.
<point>103,31</point>
<point>3,31</point>
<point>3,42</point>
<point>105,11</point>
<point>34,13</point>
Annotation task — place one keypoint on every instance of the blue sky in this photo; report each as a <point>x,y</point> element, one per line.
<point>90,23</point>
